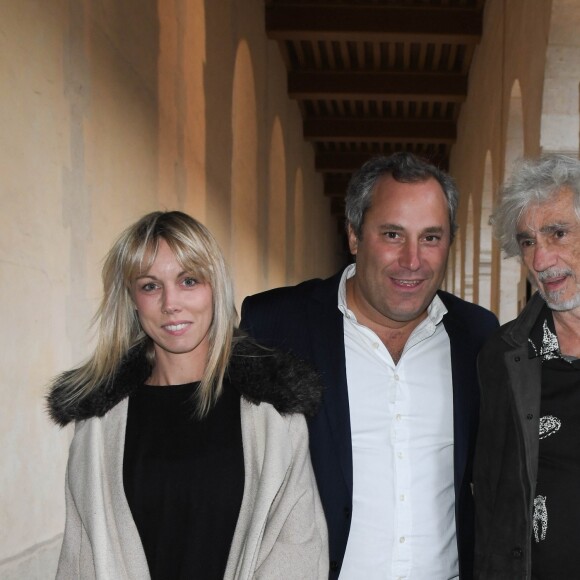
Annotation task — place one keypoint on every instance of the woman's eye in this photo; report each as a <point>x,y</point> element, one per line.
<point>190,282</point>
<point>149,287</point>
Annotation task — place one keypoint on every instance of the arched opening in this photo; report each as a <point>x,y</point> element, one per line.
<point>510,268</point>
<point>485,236</point>
<point>457,281</point>
<point>182,108</point>
<point>297,273</point>
<point>276,263</point>
<point>469,253</point>
<point>244,245</point>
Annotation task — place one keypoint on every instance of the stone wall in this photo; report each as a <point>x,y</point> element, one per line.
<point>499,122</point>
<point>111,109</point>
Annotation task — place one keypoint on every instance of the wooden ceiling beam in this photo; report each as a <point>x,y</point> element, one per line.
<point>350,161</point>
<point>342,161</point>
<point>374,23</point>
<point>380,130</point>
<point>372,85</point>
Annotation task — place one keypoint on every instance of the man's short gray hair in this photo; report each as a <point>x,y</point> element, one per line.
<point>403,167</point>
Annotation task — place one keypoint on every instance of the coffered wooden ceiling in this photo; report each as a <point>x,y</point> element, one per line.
<point>376,76</point>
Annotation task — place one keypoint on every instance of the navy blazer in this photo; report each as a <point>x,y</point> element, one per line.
<point>305,319</point>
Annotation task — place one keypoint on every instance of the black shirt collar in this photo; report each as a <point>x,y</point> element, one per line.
<point>543,340</point>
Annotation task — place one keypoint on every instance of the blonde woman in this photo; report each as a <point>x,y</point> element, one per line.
<point>190,454</point>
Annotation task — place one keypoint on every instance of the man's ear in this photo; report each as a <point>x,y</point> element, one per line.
<point>352,240</point>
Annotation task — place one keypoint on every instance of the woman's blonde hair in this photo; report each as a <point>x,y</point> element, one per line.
<point>119,329</point>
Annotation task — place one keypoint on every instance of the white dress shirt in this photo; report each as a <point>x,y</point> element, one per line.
<point>401,416</point>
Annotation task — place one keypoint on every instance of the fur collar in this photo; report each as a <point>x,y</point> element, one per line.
<point>259,374</point>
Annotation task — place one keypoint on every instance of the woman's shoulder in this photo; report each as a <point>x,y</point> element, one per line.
<point>261,374</point>
<point>65,405</point>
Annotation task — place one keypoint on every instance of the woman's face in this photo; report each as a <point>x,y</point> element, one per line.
<point>175,311</point>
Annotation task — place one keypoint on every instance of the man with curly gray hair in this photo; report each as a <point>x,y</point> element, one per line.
<point>527,465</point>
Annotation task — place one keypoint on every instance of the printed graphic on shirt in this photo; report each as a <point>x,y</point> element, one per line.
<point>549,425</point>
<point>540,518</point>
<point>549,349</point>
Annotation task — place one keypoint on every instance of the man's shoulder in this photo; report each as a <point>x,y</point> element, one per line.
<point>287,295</point>
<point>277,317</point>
<point>491,360</point>
<point>515,333</point>
<point>466,321</point>
<point>468,310</point>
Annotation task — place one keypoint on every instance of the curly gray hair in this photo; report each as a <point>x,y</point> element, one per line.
<point>534,181</point>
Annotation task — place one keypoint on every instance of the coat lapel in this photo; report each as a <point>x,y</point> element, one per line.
<point>95,476</point>
<point>266,462</point>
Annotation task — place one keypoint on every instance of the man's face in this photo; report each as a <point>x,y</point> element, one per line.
<point>402,254</point>
<point>549,238</point>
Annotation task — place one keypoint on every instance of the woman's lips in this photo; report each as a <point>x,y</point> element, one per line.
<point>176,328</point>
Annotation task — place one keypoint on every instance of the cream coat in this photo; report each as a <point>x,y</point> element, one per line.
<point>281,530</point>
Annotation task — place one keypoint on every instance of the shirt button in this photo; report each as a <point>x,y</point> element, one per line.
<point>396,377</point>
<point>400,454</point>
<point>402,497</point>
<point>375,345</point>
<point>402,539</point>
<point>398,417</point>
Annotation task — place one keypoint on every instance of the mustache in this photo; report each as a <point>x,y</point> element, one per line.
<point>554,273</point>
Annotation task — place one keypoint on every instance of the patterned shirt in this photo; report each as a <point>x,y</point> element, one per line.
<point>556,511</point>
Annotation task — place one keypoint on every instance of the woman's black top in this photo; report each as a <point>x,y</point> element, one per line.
<point>184,479</point>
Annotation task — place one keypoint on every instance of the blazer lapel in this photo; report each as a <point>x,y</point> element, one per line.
<point>465,392</point>
<point>326,329</point>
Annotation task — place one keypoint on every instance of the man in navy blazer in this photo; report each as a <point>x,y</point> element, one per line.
<point>392,445</point>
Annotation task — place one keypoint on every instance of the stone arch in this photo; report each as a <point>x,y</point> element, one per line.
<point>297,273</point>
<point>469,252</point>
<point>458,277</point>
<point>276,260</point>
<point>510,268</point>
<point>485,236</point>
<point>182,181</point>
<point>450,273</point>
<point>244,243</point>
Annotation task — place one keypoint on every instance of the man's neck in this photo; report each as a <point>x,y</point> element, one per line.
<point>393,334</point>
<point>567,326</point>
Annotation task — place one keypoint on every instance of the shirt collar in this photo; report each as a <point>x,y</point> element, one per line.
<point>348,273</point>
<point>543,340</point>
<point>435,311</point>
